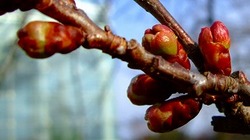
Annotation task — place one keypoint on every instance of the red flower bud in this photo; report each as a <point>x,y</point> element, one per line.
<point>161,40</point>
<point>43,39</point>
<point>144,90</point>
<point>171,114</point>
<point>214,43</point>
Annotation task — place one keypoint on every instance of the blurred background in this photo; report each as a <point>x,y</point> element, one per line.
<point>82,95</point>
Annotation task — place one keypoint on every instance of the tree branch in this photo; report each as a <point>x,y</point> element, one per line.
<point>137,57</point>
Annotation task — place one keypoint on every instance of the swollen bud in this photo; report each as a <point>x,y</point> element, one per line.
<point>161,40</point>
<point>43,39</point>
<point>144,90</point>
<point>214,43</point>
<point>172,114</point>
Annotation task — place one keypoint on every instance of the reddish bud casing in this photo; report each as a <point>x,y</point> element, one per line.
<point>144,90</point>
<point>172,114</point>
<point>42,39</point>
<point>214,43</point>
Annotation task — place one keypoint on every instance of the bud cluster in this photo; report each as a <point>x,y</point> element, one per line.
<point>164,115</point>
<point>167,114</point>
